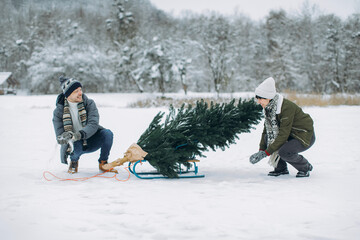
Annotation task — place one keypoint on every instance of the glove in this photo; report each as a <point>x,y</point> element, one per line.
<point>77,136</point>
<point>64,138</point>
<point>256,157</point>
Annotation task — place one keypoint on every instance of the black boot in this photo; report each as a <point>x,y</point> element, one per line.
<point>306,173</point>
<point>278,172</point>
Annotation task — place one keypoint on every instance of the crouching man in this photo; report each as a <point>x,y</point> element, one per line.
<point>287,132</point>
<point>76,124</point>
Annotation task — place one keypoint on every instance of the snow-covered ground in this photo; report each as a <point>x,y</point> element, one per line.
<point>235,200</point>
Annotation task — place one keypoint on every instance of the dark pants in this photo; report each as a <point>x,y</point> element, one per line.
<point>102,139</point>
<point>289,153</point>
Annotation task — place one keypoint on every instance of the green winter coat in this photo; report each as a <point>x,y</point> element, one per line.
<point>292,122</point>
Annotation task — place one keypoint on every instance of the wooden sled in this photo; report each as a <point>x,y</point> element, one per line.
<point>189,172</point>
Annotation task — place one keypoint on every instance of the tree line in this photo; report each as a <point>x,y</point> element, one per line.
<point>130,46</point>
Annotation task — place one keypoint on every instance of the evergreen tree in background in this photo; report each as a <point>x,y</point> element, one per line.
<point>189,131</point>
<point>128,46</point>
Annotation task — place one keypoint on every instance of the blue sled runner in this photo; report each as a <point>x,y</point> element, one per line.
<point>189,172</point>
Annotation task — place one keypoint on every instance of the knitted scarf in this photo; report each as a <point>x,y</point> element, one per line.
<point>272,128</point>
<point>67,121</point>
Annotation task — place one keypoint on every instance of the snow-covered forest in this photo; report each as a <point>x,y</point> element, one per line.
<point>130,46</point>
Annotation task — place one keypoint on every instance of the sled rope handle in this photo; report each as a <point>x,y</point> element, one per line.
<point>79,179</point>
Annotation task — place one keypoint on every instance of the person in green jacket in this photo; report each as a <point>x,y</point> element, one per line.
<point>287,132</point>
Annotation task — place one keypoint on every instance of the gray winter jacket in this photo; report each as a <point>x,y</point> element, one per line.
<point>92,123</point>
<point>91,127</point>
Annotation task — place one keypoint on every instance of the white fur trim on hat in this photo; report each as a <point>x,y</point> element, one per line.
<point>266,89</point>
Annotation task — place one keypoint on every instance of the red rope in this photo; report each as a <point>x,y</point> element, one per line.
<point>100,175</point>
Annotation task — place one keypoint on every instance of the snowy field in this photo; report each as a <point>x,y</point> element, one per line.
<point>235,200</point>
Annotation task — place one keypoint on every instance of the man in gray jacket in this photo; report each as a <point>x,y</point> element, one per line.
<point>76,124</point>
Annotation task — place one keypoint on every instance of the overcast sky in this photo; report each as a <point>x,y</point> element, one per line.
<point>258,9</point>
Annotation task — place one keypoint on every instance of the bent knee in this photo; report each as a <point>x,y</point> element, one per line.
<point>287,155</point>
<point>107,134</point>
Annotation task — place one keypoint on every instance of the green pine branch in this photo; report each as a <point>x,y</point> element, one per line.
<point>187,132</point>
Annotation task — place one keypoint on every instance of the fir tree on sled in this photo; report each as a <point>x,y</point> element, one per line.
<point>189,131</point>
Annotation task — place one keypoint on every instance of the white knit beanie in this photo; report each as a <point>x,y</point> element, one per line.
<point>266,89</point>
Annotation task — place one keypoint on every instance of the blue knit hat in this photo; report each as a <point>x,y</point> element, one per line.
<point>68,85</point>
